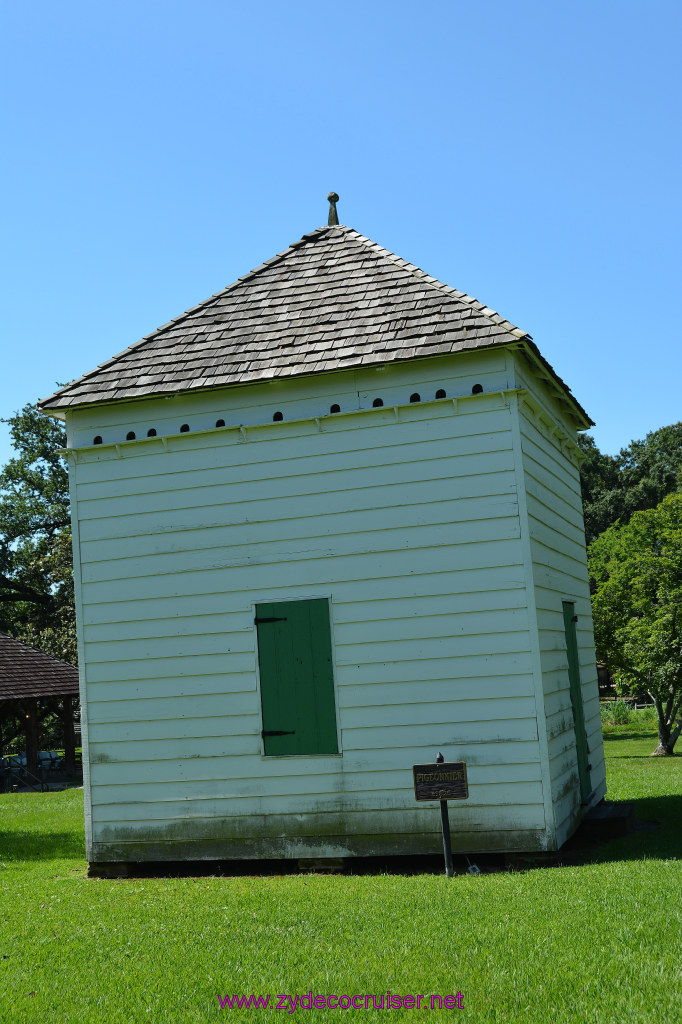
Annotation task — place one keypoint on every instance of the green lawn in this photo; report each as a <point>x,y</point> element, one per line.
<point>598,941</point>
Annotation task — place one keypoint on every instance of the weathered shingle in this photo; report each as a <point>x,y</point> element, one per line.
<point>27,672</point>
<point>332,300</point>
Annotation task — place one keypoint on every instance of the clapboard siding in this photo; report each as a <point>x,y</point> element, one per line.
<point>212,452</point>
<point>365,821</point>
<point>459,734</point>
<point>271,550</point>
<point>556,532</point>
<point>424,571</point>
<point>212,809</point>
<point>120,781</point>
<point>293,440</point>
<point>284,499</point>
<point>500,583</point>
<point>376,688</point>
<point>514,763</point>
<point>295,398</point>
<point>435,514</point>
<point>236,466</point>
<point>492,759</point>
<point>561,741</point>
<point>169,730</point>
<point>198,705</point>
<point>411,582</point>
<point>368,650</point>
<point>258,576</point>
<point>485,815</point>
<point>472,610</point>
<point>370,677</point>
<point>408,520</point>
<point>177,656</point>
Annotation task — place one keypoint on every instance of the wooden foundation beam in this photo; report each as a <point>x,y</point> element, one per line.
<point>31,729</point>
<point>69,735</point>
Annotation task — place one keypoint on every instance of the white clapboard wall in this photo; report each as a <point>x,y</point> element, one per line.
<point>551,484</point>
<point>407,518</point>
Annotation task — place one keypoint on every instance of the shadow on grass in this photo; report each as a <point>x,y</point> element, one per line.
<point>32,845</point>
<point>632,734</point>
<point>658,835</point>
<point>636,757</point>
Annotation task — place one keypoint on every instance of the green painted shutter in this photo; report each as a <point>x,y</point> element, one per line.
<point>296,678</point>
<point>577,699</point>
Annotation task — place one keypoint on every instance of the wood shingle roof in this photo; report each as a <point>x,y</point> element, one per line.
<point>27,672</point>
<point>333,300</point>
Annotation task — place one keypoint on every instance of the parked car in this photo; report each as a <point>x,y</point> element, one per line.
<point>46,759</point>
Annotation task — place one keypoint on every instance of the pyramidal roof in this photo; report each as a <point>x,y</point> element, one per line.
<point>333,300</point>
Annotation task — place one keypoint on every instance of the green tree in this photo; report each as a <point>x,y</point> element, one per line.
<point>600,486</point>
<point>36,575</point>
<point>638,478</point>
<point>636,573</point>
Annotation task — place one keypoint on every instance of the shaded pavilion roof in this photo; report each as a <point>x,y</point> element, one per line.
<point>333,300</point>
<point>27,672</point>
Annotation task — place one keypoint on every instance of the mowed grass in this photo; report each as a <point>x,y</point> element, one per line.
<point>599,940</point>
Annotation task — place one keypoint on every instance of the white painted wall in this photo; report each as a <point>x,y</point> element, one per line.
<point>296,398</point>
<point>407,519</point>
<point>557,538</point>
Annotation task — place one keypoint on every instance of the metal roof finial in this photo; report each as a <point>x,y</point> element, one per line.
<point>333,215</point>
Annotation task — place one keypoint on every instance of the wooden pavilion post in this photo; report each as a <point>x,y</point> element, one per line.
<point>31,727</point>
<point>69,735</point>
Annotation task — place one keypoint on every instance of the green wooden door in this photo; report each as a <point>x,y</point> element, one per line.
<point>296,677</point>
<point>577,699</point>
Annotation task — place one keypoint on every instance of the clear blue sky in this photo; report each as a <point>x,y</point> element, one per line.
<point>527,153</point>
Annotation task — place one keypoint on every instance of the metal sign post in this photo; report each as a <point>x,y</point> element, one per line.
<point>447,847</point>
<point>442,781</point>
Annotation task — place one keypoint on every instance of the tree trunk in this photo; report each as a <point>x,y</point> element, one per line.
<point>667,737</point>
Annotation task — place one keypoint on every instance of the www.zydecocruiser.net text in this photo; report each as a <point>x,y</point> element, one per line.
<point>308,1001</point>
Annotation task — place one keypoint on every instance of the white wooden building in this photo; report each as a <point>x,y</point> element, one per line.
<point>326,524</point>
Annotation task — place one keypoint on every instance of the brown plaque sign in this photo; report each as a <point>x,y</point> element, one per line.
<point>444,781</point>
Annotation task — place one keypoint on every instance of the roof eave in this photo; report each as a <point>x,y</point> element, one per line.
<point>517,340</point>
<point>561,389</point>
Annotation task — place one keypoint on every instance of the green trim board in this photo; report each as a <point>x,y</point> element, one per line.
<point>296,678</point>
<point>577,698</point>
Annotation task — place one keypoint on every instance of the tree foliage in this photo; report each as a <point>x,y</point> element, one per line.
<point>638,478</point>
<point>36,578</point>
<point>636,574</point>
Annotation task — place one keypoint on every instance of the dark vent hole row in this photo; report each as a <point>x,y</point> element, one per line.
<point>279,416</point>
